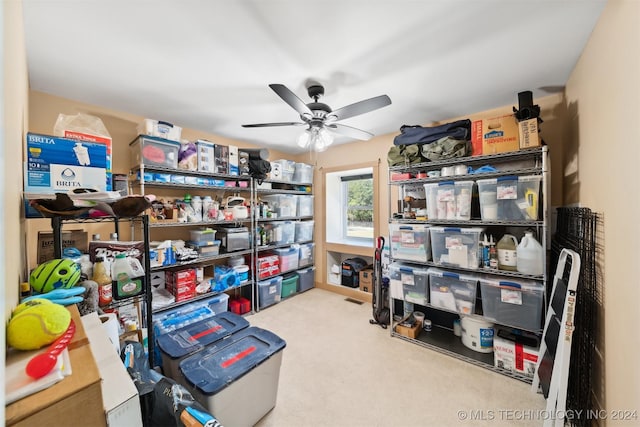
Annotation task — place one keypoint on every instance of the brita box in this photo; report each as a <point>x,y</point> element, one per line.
<point>59,165</point>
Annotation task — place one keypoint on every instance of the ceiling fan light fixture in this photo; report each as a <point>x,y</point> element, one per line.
<point>316,137</point>
<point>304,139</point>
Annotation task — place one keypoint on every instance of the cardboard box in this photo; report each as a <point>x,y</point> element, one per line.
<point>411,332</point>
<point>512,353</point>
<point>366,280</point>
<point>221,159</point>
<point>528,133</point>
<point>76,397</point>
<point>495,135</point>
<point>109,249</point>
<point>206,155</point>
<point>60,164</point>
<point>119,394</point>
<point>234,161</point>
<point>70,239</point>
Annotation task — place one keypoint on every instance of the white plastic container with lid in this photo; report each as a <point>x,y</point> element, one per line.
<point>530,255</point>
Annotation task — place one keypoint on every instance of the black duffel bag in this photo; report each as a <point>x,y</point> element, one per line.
<point>460,129</point>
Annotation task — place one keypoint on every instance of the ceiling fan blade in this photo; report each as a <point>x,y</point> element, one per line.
<point>349,131</point>
<point>360,107</point>
<point>291,99</point>
<point>264,125</point>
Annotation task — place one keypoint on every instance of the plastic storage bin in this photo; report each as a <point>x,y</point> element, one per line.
<point>410,242</point>
<point>239,382</point>
<point>452,291</point>
<point>307,278</point>
<point>452,200</point>
<point>153,151</point>
<point>289,285</point>
<point>283,205</point>
<point>269,291</point>
<point>176,345</point>
<point>509,198</point>
<point>515,303</point>
<point>409,283</point>
<point>304,231</point>
<point>160,129</point>
<point>203,237</point>
<point>431,199</point>
<point>219,303</point>
<point>288,258</point>
<point>456,246</point>
<point>283,232</point>
<point>306,254</point>
<point>303,173</point>
<point>286,169</point>
<point>305,206</point>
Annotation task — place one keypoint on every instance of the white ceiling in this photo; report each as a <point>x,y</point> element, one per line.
<point>206,64</point>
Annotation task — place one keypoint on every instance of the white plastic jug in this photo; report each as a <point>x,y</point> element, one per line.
<point>530,255</point>
<point>127,275</point>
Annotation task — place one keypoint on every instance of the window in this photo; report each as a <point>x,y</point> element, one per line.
<point>357,197</point>
<point>350,207</point>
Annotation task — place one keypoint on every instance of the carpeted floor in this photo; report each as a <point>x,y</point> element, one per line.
<point>339,370</point>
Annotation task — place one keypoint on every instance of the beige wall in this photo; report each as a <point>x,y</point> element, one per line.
<point>603,98</point>
<point>14,87</point>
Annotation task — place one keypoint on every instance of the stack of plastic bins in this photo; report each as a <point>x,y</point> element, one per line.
<point>269,291</point>
<point>408,283</point>
<point>178,344</point>
<point>452,291</point>
<point>514,302</point>
<point>237,382</point>
<point>410,242</point>
<point>457,247</point>
<point>307,279</point>
<point>289,285</point>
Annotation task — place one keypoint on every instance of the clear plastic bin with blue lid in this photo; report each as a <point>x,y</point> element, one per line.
<point>238,382</point>
<point>175,345</point>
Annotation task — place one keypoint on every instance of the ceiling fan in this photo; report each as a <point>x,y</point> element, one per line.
<point>320,118</point>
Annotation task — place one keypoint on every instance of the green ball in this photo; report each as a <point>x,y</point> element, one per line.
<point>55,274</point>
<point>37,323</point>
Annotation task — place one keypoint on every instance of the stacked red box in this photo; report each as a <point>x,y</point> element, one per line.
<point>239,305</point>
<point>182,283</point>
<point>268,265</point>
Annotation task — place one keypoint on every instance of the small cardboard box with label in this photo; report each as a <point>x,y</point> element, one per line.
<point>366,280</point>
<point>495,135</point>
<point>528,133</point>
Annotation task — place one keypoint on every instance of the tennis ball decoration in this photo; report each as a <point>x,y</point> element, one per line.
<point>55,274</point>
<point>36,323</point>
